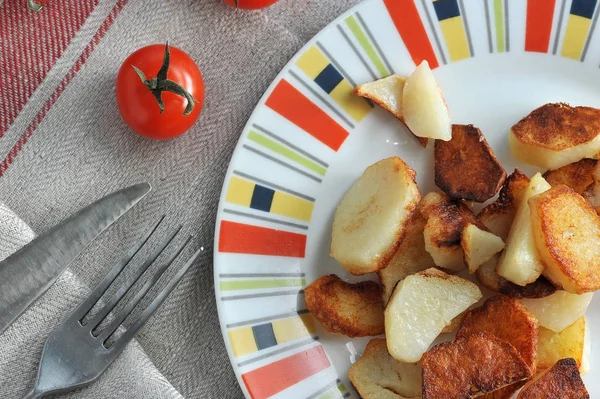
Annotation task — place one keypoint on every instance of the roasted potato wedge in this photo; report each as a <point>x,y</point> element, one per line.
<point>577,175</point>
<point>466,167</point>
<point>371,220</point>
<point>560,381</point>
<point>479,363</point>
<point>487,276</point>
<point>559,310</point>
<point>504,393</point>
<point>566,232</point>
<point>520,262</point>
<point>419,309</point>
<point>423,106</point>
<point>553,346</point>
<point>555,135</point>
<point>376,375</point>
<point>454,323</point>
<point>387,93</point>
<point>507,319</point>
<point>446,220</point>
<point>479,246</point>
<point>498,216</point>
<point>410,258</point>
<point>355,310</point>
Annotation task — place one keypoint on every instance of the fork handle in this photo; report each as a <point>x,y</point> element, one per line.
<point>33,394</point>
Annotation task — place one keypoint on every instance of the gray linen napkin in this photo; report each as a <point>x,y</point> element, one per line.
<point>132,375</point>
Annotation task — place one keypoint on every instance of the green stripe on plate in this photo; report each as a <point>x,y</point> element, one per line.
<point>366,45</point>
<point>234,285</point>
<point>499,22</point>
<point>286,152</point>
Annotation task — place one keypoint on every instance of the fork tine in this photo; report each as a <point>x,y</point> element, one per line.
<point>89,303</point>
<point>114,324</point>
<point>110,305</point>
<point>128,335</point>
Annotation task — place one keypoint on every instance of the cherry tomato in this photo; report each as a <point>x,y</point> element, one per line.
<point>142,81</point>
<point>250,4</point>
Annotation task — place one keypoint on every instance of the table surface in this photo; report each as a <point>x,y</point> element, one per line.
<point>63,144</point>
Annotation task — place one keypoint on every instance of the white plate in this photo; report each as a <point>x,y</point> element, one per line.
<point>310,138</point>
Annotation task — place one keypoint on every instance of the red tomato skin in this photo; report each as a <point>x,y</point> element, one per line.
<point>251,4</point>
<point>139,107</point>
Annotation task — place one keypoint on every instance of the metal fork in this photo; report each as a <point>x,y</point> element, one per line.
<point>78,352</point>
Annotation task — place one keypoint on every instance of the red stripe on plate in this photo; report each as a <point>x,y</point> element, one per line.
<point>287,101</point>
<point>31,44</point>
<point>61,86</point>
<point>540,14</point>
<point>242,238</point>
<point>277,376</point>
<point>408,22</point>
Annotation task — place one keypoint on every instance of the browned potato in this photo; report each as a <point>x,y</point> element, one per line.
<point>498,216</point>
<point>387,93</point>
<point>503,393</point>
<point>577,175</point>
<point>376,375</point>
<point>555,135</point>
<point>566,232</point>
<point>468,367</point>
<point>446,220</point>
<point>507,319</point>
<point>466,167</point>
<point>487,276</point>
<point>411,258</point>
<point>355,310</point>
<point>561,381</point>
<point>553,346</point>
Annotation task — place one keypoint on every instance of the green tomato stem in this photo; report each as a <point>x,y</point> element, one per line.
<point>160,83</point>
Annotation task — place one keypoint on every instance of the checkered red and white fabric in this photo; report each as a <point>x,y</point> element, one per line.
<point>63,145</point>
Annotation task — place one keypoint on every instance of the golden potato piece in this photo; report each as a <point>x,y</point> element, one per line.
<point>421,306</point>
<point>454,323</point>
<point>561,381</point>
<point>498,216</point>
<point>410,258</point>
<point>566,232</point>
<point>479,246</point>
<point>507,319</point>
<point>559,310</point>
<point>371,220</point>
<point>376,375</point>
<point>466,167</point>
<point>577,175</point>
<point>446,219</point>
<point>354,310</point>
<point>423,106</point>
<point>487,276</point>
<point>387,93</point>
<point>479,363</point>
<point>555,135</point>
<point>552,346</point>
<point>520,261</point>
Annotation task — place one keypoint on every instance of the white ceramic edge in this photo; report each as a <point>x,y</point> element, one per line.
<point>229,173</point>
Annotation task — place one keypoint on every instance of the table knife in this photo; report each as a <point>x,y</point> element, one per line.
<point>29,272</point>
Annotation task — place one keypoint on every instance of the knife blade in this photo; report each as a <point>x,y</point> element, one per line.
<point>29,272</point>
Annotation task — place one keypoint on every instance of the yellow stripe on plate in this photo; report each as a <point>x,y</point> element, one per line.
<point>240,191</point>
<point>575,36</point>
<point>242,341</point>
<point>289,205</point>
<point>293,328</point>
<point>456,38</point>
<point>356,106</point>
<point>312,62</point>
